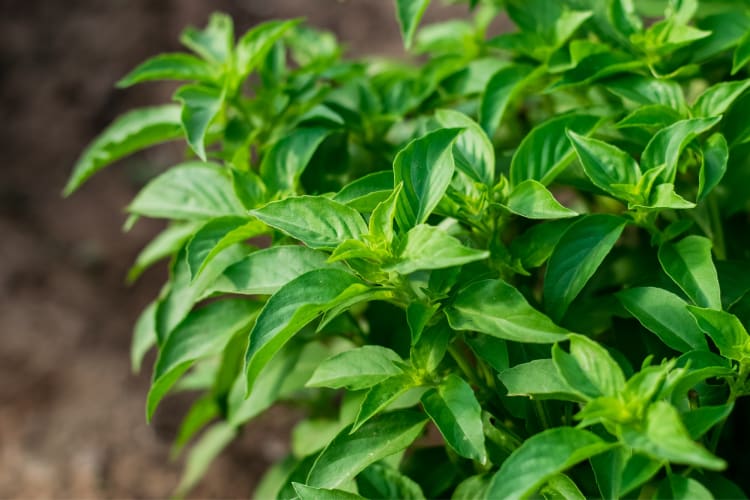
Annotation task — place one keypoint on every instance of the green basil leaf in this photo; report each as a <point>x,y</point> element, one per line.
<point>576,257</point>
<point>473,151</point>
<point>741,54</point>
<point>292,307</point>
<point>309,493</point>
<point>665,314</point>
<point>618,471</point>
<point>144,336</point>
<point>215,42</point>
<point>494,307</point>
<point>725,329</point>
<point>203,453</point>
<point>546,150</point>
<point>501,89</point>
<point>215,236</point>
<point>170,67</point>
<point>714,165</point>
<point>381,481</point>
<point>535,245</point>
<point>425,167</point>
<point>380,396</point>
<point>647,90</point>
<point>357,369</point>
<point>472,487</point>
<point>204,411</point>
<point>532,200</point>
<point>429,247</point>
<point>200,105</point>
<point>541,457</point>
<point>679,487</point>
<point>367,191</point>
<point>596,67</point>
<point>700,420</point>
<point>284,162</point>
<point>409,13</point>
<point>254,45</point>
<point>652,117</point>
<point>457,414</point>
<point>316,221</point>
<point>594,363</point>
<point>382,218</point>
<point>716,99</point>
<point>167,243</point>
<point>688,262</point>
<point>131,132</point>
<point>561,487</point>
<point>190,191</point>
<point>539,379</point>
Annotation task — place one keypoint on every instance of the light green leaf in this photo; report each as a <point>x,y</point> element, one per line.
<point>166,243</point>
<point>647,90</point>
<point>203,453</point>
<point>665,314</point>
<point>546,151</point>
<point>316,221</point>
<point>689,264</point>
<point>473,150</point>
<point>215,42</point>
<point>190,191</point>
<point>144,336</point>
<point>365,193</point>
<point>204,332</point>
<point>677,487</point>
<point>417,316</point>
<point>131,132</point>
<point>176,66</point>
<point>381,395</point>
<point>725,329</point>
<point>651,117</point>
<point>357,369</point>
<point>532,200</point>
<point>716,99</point>
<point>664,196</point>
<point>409,13</point>
<point>496,308</point>
<point>350,453</point>
<point>472,488</point>
<point>457,414</point>
<point>425,167</point>
<point>539,379</point>
<point>590,361</point>
<point>200,105</point>
<point>429,247</point>
<point>501,89</point>
<point>576,257</point>
<point>596,67</point>
<point>541,457</point>
<point>309,493</point>
<point>203,411</point>
<point>382,481</point>
<point>561,487</point>
<point>254,45</point>
<point>292,307</point>
<point>714,166</point>
<point>285,161</point>
<point>215,236</point>
<point>381,221</point>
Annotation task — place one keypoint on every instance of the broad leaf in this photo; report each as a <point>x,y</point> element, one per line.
<point>716,99</point>
<point>532,200</point>
<point>381,481</point>
<point>382,219</point>
<point>200,105</point>
<point>539,379</point>
<point>357,369</point>
<point>166,243</point>
<point>576,257</point>
<point>309,493</point>
<point>647,90</point>
<point>535,246</point>
<point>380,396</point>
<point>367,192</point>
<point>254,45</point>
<point>286,160</point>
<point>429,247</point>
<point>217,235</point>
<point>473,150</point>
<point>496,308</point>
<point>725,329</point>
<point>316,221</point>
<point>678,487</point>
<point>589,368</point>
<point>176,66</point>
<point>700,420</point>
<point>500,90</point>
<point>409,13</point>
<point>688,262</point>
<point>131,132</point>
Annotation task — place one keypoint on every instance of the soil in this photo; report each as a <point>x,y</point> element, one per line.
<point>71,413</point>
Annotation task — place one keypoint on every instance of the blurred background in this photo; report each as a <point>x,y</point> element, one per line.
<point>71,412</point>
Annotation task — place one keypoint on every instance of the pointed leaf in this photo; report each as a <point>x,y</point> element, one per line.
<point>725,329</point>
<point>409,13</point>
<point>214,43</point>
<point>714,166</point>
<point>166,243</point>
<point>716,99</point>
<point>689,264</point>
<point>176,66</point>
<point>741,54</point>
<point>254,45</point>
<point>287,159</point>
<point>500,90</point>
<point>382,218</point>
<point>532,200</point>
<point>217,235</point>
<point>144,336</point>
<point>200,105</point>
<point>678,487</point>
<point>429,247</point>
<point>357,369</point>
<point>473,150</point>
<point>648,90</point>
<point>380,396</point>
<point>539,379</point>
<point>309,493</point>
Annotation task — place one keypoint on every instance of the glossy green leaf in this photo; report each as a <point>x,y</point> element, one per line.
<point>678,487</point>
<point>618,471</point>
<point>382,481</point>
<point>292,307</point>
<point>203,453</point>
<point>349,453</point>
<point>200,105</point>
<point>457,414</point>
<point>496,308</point>
<point>425,167</point>
<point>190,191</point>
<point>597,66</point>
<point>316,221</point>
<point>131,132</point>
<point>367,191</point>
<point>429,247</point>
<point>725,329</point>
<point>309,493</point>
<point>714,166</point>
<point>541,457</point>
<point>700,420</point>
<point>217,235</point>
<point>647,90</point>
<point>539,379</point>
<point>166,243</point>
<point>380,396</point>
<point>665,314</point>
<point>594,363</point>
<point>202,333</point>
<point>688,262</point>
<point>576,257</point>
<point>409,13</point>
<point>357,369</point>
<point>741,54</point>
<point>285,161</point>
<point>652,117</point>
<point>532,200</point>
<point>144,337</point>
<point>176,66</point>
<point>561,487</point>
<point>383,217</point>
<point>214,43</point>
<point>535,246</point>
<point>472,487</point>
<point>473,150</point>
<point>254,45</point>
<point>546,150</point>
<point>716,99</point>
<point>500,91</point>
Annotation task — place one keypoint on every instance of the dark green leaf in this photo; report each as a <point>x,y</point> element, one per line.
<point>357,369</point>
<point>716,99</point>
<point>700,420</point>
<point>309,493</point>
<point>688,262</point>
<point>539,379</point>
<point>714,166</point>
<point>676,487</point>
<point>535,246</point>
<point>380,481</point>
<point>284,163</point>
<point>380,396</point>
<point>741,54</point>
<point>501,89</point>
<point>647,90</point>
<point>473,150</point>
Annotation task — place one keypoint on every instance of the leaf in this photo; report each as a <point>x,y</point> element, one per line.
<point>367,191</point>
<point>473,151</point>
<point>535,246</point>
<point>292,307</point>
<point>380,396</point>
<point>665,147</point>
<point>287,159</point>
<point>350,453</point>
<point>177,66</point>
<point>652,117</point>
<point>678,487</point>
<point>561,487</point>
<point>457,414</point>
<point>700,420</point>
<point>500,90</point>
<point>309,493</point>
<point>491,349</point>
<point>539,379</point>
<point>496,308</point>
<point>472,488</point>
<point>665,314</point>
<point>647,90</point>
<point>203,453</point>
<point>665,438</point>
<point>589,368</point>
<point>689,264</point>
<point>725,329</point>
<point>596,67</point>
<point>260,273</point>
<point>204,411</point>
<point>215,236</point>
<point>619,471</point>
<point>409,13</point>
<point>546,150</point>
<point>714,165</point>
<point>576,257</point>
<point>254,45</point>
<point>741,54</point>
<point>204,332</point>
<point>541,457</point>
<point>425,167</point>
<point>532,200</point>
<point>131,132</point>
<point>316,221</point>
<point>381,481</point>
<point>357,369</point>
<point>144,336</point>
<point>190,191</point>
<point>429,247</point>
<point>215,42</point>
<point>381,220</point>
<point>716,99</point>
<point>200,105</point>
<point>166,243</point>
<point>607,166</point>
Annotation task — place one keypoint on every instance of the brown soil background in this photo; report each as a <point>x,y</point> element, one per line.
<point>71,413</point>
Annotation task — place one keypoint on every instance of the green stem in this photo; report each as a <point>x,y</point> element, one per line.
<point>720,249</point>
<point>464,365</point>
